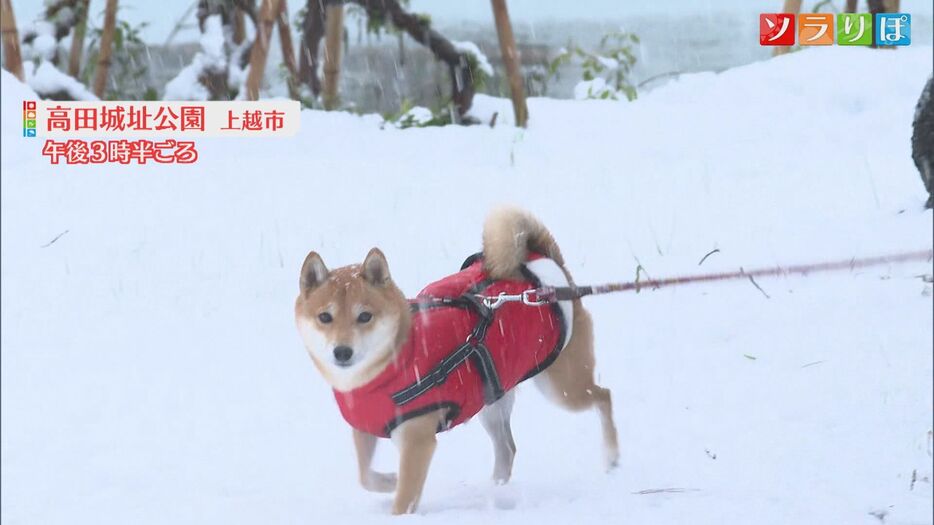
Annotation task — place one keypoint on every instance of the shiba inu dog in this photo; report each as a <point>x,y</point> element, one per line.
<point>388,365</point>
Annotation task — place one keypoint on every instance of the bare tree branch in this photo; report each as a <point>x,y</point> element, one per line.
<point>462,81</point>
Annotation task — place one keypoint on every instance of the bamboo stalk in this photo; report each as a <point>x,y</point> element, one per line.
<point>288,50</point>
<point>790,6</point>
<point>239,26</point>
<point>106,50</point>
<point>77,38</point>
<point>11,52</point>
<point>333,37</point>
<point>267,18</point>
<point>507,44</point>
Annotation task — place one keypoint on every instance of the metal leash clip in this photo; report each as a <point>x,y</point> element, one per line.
<point>539,299</point>
<point>530,297</point>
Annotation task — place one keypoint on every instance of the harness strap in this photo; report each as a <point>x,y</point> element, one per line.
<point>472,348</point>
<point>436,377</point>
<point>492,387</point>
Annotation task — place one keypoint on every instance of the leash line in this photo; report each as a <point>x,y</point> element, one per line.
<point>548,294</point>
<point>576,292</point>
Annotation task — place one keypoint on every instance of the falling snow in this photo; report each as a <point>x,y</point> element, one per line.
<point>151,372</point>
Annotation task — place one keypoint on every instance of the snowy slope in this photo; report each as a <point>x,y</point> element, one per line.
<point>151,372</point>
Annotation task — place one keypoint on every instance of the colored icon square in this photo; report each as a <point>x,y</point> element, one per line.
<point>776,29</point>
<point>854,29</point>
<point>29,132</point>
<point>815,29</point>
<point>29,104</point>
<point>30,123</point>
<point>31,114</point>
<point>893,29</point>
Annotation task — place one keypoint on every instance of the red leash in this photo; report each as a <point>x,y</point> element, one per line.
<point>549,294</point>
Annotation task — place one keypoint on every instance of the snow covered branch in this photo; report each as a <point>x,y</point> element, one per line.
<point>458,59</point>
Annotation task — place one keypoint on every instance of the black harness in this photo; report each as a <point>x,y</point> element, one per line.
<point>473,348</point>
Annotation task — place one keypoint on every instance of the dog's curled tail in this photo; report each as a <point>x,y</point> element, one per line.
<point>509,234</point>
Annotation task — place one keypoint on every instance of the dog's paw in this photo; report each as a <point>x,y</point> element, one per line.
<point>504,497</point>
<point>379,481</point>
<point>611,459</point>
<point>501,475</point>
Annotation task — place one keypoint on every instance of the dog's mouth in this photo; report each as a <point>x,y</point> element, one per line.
<point>343,364</point>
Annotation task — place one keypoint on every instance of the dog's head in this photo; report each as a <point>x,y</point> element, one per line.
<point>352,320</point>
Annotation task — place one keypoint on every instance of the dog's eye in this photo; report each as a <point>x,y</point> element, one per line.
<point>364,317</point>
<point>325,317</point>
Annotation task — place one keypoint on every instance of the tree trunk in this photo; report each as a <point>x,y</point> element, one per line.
<point>850,6</point>
<point>876,6</point>
<point>239,26</point>
<point>401,50</point>
<point>11,52</point>
<point>106,49</point>
<point>312,33</point>
<point>269,10</point>
<point>248,9</point>
<point>77,38</point>
<point>288,50</point>
<point>791,6</point>
<point>507,45</point>
<point>333,43</point>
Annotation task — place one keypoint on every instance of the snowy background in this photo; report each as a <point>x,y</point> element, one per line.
<point>161,17</point>
<point>382,73</point>
<point>151,372</point>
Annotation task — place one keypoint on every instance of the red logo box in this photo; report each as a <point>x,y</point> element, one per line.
<point>776,29</point>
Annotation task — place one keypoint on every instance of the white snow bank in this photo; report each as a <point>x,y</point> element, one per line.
<point>485,106</point>
<point>42,46</point>
<point>47,80</point>
<point>151,372</point>
<point>416,116</point>
<point>212,42</point>
<point>11,104</point>
<point>187,84</point>
<point>593,89</point>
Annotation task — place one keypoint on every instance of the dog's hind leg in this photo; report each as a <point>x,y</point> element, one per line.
<point>569,382</point>
<point>370,479</point>
<point>495,419</point>
<point>604,404</point>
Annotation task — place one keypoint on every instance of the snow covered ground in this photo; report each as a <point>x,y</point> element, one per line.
<point>151,372</point>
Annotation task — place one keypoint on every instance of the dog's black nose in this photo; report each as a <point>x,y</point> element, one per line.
<point>343,354</point>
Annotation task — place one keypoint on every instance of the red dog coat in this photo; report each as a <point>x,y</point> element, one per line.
<point>460,355</point>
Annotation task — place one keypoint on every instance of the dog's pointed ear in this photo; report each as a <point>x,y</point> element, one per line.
<point>375,268</point>
<point>314,272</point>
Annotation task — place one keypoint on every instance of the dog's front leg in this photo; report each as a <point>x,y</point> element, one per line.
<point>416,442</point>
<point>370,479</point>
